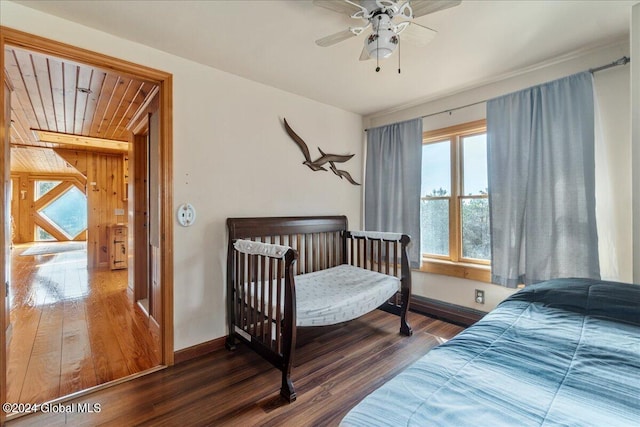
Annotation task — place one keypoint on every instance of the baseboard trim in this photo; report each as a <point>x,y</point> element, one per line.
<point>198,350</point>
<point>442,310</point>
<point>452,313</point>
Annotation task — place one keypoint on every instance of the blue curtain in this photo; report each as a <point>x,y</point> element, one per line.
<point>542,182</point>
<point>392,182</point>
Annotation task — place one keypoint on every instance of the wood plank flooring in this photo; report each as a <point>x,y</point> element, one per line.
<point>334,368</point>
<point>73,328</point>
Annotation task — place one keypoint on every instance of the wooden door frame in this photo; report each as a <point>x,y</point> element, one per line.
<point>4,301</point>
<point>164,80</point>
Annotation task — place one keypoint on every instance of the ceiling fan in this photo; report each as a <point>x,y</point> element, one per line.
<point>388,19</point>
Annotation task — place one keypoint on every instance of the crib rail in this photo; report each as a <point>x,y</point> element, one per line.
<point>318,240</point>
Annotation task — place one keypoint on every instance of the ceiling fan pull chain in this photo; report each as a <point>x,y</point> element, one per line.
<point>399,53</point>
<point>378,45</point>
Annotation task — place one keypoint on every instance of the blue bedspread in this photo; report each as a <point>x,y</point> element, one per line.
<point>563,352</point>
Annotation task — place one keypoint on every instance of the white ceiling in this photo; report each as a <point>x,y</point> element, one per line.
<point>272,42</point>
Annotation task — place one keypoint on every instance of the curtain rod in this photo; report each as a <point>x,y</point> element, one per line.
<point>622,61</point>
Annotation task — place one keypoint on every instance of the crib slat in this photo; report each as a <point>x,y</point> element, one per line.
<point>351,255</point>
<point>364,253</point>
<point>302,243</point>
<point>263,310</point>
<point>332,250</point>
<point>321,252</point>
<point>237,296</point>
<point>250,293</point>
<point>327,250</point>
<point>310,253</point>
<point>292,244</point>
<point>371,255</point>
<point>301,252</point>
<point>379,249</point>
<point>279,307</point>
<point>386,257</point>
<point>354,254</point>
<point>270,308</point>
<point>254,281</point>
<point>395,258</point>
<point>240,287</point>
<point>315,240</point>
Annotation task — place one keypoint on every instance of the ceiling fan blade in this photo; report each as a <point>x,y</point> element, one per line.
<point>364,55</point>
<point>418,35</point>
<point>332,39</point>
<point>425,7</point>
<point>339,6</point>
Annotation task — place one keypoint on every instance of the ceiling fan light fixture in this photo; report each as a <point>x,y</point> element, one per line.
<point>381,44</point>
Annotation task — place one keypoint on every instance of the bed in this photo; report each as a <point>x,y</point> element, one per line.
<point>284,273</point>
<point>562,352</point>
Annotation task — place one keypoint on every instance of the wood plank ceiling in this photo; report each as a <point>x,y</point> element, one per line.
<point>56,95</point>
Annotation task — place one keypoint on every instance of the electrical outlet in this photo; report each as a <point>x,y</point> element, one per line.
<point>479,296</point>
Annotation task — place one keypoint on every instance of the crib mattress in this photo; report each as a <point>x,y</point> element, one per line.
<point>337,294</point>
<point>341,293</point>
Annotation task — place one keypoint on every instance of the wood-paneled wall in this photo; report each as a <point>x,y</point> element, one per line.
<point>105,191</point>
<point>24,207</point>
<point>105,195</point>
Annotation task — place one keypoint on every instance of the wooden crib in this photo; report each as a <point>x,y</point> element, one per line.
<point>268,256</point>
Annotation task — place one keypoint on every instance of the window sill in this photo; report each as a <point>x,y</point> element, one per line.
<point>481,273</point>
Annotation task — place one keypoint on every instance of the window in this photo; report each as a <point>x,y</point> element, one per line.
<point>43,187</point>
<point>61,210</point>
<point>68,212</point>
<point>42,235</point>
<point>454,208</point>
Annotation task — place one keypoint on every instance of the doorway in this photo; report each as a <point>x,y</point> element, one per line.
<point>163,81</point>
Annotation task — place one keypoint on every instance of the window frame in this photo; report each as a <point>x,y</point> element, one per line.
<point>41,220</point>
<point>455,264</point>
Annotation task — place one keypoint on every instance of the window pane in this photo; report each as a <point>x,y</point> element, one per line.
<point>475,165</point>
<point>475,229</point>
<point>42,235</point>
<point>68,212</point>
<point>434,220</point>
<point>42,187</point>
<point>436,169</point>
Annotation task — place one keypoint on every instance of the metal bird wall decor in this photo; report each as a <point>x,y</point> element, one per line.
<point>319,163</point>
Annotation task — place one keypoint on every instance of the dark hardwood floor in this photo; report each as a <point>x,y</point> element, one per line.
<point>72,328</point>
<point>334,368</point>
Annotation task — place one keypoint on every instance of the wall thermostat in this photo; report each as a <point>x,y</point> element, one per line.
<point>186,214</point>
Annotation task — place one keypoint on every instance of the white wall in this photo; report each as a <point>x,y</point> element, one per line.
<point>635,114</point>
<point>231,158</point>
<point>613,162</point>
